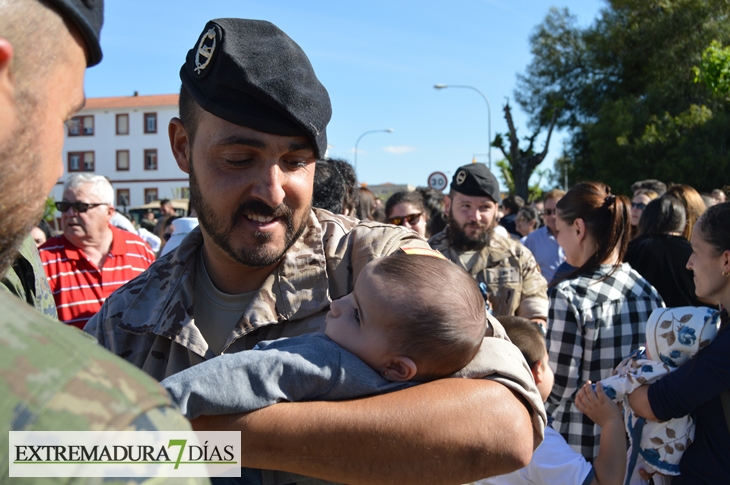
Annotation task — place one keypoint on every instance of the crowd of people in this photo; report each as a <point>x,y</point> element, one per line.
<point>426,338</point>
<point>612,262</point>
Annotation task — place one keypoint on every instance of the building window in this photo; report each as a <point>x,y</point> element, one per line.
<point>150,122</point>
<point>150,195</point>
<point>123,197</point>
<point>150,159</point>
<point>80,161</point>
<point>81,126</point>
<point>123,124</point>
<point>122,160</point>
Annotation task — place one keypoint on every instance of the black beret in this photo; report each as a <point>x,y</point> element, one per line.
<point>252,74</point>
<point>87,16</point>
<point>476,180</point>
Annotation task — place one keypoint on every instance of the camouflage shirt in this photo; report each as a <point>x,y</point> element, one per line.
<point>56,378</point>
<point>510,272</point>
<point>27,280</point>
<point>150,321</point>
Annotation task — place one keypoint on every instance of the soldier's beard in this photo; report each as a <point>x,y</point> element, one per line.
<point>462,241</point>
<point>262,254</point>
<point>22,200</point>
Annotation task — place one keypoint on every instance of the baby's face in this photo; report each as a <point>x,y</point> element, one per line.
<point>357,321</point>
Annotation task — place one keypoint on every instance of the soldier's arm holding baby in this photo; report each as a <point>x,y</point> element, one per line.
<point>446,431</point>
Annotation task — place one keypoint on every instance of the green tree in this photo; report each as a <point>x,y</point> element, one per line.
<point>625,87</point>
<point>714,70</point>
<point>49,211</point>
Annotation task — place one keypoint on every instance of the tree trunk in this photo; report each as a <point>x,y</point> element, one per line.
<point>523,162</point>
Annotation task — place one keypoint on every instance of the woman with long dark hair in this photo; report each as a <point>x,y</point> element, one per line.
<point>660,252</point>
<point>693,204</point>
<point>702,385</point>
<point>598,312</point>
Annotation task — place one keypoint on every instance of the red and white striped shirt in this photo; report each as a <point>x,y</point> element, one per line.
<point>78,286</point>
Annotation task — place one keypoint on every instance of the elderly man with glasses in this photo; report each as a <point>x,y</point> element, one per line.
<point>91,258</point>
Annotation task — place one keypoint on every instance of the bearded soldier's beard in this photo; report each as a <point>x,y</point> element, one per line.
<point>465,242</point>
<point>260,253</point>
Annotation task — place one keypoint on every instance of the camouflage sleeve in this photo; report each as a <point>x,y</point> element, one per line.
<point>27,280</point>
<point>53,377</point>
<point>377,240</point>
<point>351,244</point>
<point>534,300</point>
<point>501,361</point>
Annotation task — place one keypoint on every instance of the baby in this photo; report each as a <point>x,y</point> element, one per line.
<point>673,336</point>
<point>411,318</point>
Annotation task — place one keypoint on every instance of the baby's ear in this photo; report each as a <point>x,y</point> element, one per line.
<point>538,371</point>
<point>400,369</point>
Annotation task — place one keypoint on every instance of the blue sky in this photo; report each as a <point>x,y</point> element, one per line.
<point>378,59</point>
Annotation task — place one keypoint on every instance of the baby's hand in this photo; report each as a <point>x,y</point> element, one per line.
<point>596,405</point>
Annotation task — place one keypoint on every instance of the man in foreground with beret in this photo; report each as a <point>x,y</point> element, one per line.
<point>508,269</point>
<point>53,377</point>
<point>263,264</point>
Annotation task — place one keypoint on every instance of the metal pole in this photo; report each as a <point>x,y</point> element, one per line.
<point>489,114</point>
<point>387,130</point>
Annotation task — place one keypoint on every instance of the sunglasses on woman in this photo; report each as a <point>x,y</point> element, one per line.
<point>400,220</point>
<point>638,205</point>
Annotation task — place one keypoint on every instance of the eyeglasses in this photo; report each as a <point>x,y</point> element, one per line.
<point>551,212</point>
<point>400,220</point>
<point>638,205</point>
<point>77,206</point>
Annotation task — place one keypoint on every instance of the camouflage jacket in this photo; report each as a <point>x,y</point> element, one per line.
<point>56,378</point>
<point>512,276</point>
<point>27,280</point>
<point>150,321</point>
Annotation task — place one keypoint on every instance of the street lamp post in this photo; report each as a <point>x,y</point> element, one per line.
<point>387,130</point>
<point>489,113</point>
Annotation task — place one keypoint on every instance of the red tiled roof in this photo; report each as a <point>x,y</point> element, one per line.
<point>132,101</point>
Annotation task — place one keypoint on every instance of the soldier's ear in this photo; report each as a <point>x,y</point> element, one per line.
<point>7,86</point>
<point>180,144</point>
<point>447,203</point>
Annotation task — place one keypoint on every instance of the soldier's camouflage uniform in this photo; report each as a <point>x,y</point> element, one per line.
<point>56,378</point>
<point>150,321</point>
<point>27,280</point>
<point>512,276</point>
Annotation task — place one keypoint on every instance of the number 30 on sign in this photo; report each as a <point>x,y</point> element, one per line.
<point>437,181</point>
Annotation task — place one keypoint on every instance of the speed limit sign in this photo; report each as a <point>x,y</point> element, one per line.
<point>437,181</point>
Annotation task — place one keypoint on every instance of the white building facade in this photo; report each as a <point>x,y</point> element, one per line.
<point>125,139</point>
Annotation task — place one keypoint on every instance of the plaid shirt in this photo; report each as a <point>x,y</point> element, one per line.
<point>592,326</point>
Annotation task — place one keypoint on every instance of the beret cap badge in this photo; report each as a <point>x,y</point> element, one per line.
<point>476,180</point>
<point>206,50</point>
<point>251,73</point>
